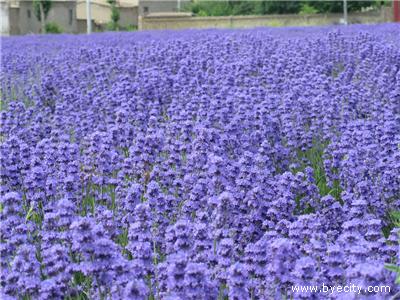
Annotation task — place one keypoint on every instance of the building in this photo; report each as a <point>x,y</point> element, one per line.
<point>101,14</point>
<point>18,17</point>
<point>5,17</point>
<point>62,12</point>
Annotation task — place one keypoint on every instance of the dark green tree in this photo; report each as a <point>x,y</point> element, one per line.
<point>41,9</point>
<point>235,7</point>
<point>337,6</point>
<point>113,25</point>
<point>242,8</point>
<point>260,8</point>
<point>282,7</point>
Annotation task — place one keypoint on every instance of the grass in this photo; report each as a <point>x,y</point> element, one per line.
<point>393,222</point>
<point>394,218</point>
<point>313,158</point>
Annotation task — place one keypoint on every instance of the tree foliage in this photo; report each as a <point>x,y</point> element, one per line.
<point>115,15</point>
<point>234,8</point>
<point>46,8</point>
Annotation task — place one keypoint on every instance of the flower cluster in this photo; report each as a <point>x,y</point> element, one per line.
<point>199,164</point>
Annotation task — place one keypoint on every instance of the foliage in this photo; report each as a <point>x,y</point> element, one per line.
<point>130,28</point>
<point>115,16</point>
<point>53,27</point>
<point>307,9</point>
<point>394,218</point>
<point>46,8</point>
<point>226,7</point>
<point>213,8</point>
<point>337,6</point>
<point>282,7</point>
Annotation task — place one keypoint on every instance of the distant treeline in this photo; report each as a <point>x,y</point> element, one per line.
<point>234,8</point>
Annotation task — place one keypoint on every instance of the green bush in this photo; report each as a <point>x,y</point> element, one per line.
<point>53,27</point>
<point>131,28</point>
<point>307,9</point>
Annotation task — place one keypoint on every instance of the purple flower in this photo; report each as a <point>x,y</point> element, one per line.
<point>179,237</point>
<point>140,240</point>
<point>237,282</point>
<point>57,271</point>
<point>197,282</point>
<point>135,290</point>
<point>198,165</point>
<point>24,277</point>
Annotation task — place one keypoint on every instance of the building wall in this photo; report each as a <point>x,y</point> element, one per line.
<point>62,13</point>
<point>69,15</point>
<point>163,22</point>
<point>128,16</point>
<point>82,26</point>
<point>4,19</point>
<point>27,20</point>
<point>14,20</point>
<point>101,14</point>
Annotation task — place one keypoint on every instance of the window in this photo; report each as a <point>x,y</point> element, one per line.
<point>28,12</point>
<point>145,10</point>
<point>70,16</point>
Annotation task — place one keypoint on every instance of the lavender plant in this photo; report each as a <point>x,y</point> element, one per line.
<point>200,164</point>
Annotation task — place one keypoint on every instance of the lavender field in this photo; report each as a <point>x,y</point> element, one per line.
<point>208,164</point>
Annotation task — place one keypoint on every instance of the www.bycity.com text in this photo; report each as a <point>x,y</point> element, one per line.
<point>332,289</point>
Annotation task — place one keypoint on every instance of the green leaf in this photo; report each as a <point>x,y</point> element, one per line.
<point>29,213</point>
